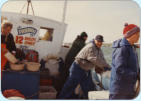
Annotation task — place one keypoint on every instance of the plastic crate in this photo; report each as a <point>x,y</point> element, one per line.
<point>47,92</point>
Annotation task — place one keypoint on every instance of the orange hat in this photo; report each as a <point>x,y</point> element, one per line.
<point>130,29</point>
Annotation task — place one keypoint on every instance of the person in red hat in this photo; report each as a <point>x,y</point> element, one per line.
<point>125,66</point>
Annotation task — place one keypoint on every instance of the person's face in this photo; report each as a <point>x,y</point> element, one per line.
<point>98,43</point>
<point>134,38</point>
<point>85,38</point>
<point>6,30</point>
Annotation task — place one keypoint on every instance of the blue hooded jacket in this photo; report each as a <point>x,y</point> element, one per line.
<point>125,68</point>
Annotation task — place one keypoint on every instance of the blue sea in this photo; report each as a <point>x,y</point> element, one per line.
<point>107,50</point>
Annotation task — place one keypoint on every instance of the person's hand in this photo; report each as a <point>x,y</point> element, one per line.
<point>14,53</point>
<point>99,70</point>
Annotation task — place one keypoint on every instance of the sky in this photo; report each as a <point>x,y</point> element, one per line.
<point>94,17</point>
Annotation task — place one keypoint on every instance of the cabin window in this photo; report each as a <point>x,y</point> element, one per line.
<point>46,34</point>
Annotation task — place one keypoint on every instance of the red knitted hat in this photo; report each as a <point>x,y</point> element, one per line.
<point>130,29</point>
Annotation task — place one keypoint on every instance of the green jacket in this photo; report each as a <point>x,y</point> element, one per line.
<point>77,45</point>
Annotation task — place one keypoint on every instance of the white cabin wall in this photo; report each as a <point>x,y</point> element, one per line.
<point>43,47</point>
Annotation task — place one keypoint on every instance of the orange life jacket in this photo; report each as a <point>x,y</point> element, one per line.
<point>3,59</point>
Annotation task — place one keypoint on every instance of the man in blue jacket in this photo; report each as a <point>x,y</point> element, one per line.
<point>125,66</point>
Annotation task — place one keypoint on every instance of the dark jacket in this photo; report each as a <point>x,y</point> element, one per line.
<point>77,45</point>
<point>10,44</point>
<point>125,68</point>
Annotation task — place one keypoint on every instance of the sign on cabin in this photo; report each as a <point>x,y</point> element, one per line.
<point>37,33</point>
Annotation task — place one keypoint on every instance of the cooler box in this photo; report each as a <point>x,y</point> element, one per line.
<point>98,95</point>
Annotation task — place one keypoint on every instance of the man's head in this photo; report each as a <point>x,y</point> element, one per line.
<point>6,28</point>
<point>99,40</point>
<point>84,36</point>
<point>132,33</point>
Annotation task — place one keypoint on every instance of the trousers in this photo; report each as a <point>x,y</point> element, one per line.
<point>77,76</point>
